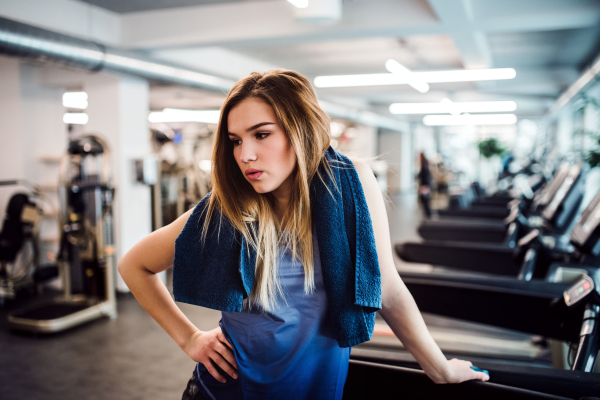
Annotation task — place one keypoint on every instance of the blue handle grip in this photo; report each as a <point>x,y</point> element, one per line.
<point>474,368</point>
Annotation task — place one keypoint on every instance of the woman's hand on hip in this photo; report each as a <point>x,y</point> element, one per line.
<point>459,371</point>
<point>208,346</point>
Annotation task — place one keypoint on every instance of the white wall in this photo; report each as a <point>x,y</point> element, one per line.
<point>11,140</point>
<point>363,143</point>
<point>32,140</point>
<point>118,111</point>
<point>45,139</point>
<point>396,148</point>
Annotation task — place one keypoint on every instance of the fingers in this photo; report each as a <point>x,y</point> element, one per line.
<point>468,363</point>
<point>225,366</point>
<point>215,351</point>
<point>226,354</point>
<point>480,376</point>
<point>213,371</point>
<point>463,372</point>
<point>222,339</point>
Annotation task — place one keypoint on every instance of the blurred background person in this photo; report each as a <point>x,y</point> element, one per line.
<point>425,181</point>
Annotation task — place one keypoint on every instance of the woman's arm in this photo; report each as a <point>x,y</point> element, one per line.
<point>139,266</point>
<point>398,306</point>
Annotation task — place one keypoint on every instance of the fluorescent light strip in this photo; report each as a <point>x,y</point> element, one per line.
<point>481,119</point>
<point>299,3</point>
<point>467,75</point>
<point>76,118</point>
<point>77,100</point>
<point>453,107</point>
<point>396,68</point>
<point>176,115</point>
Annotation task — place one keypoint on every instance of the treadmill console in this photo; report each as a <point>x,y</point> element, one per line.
<point>551,209</point>
<point>586,234</point>
<point>581,292</point>
<point>549,191</point>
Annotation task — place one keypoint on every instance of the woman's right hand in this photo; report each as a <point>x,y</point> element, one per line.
<point>208,346</point>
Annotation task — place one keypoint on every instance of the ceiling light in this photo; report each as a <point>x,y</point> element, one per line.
<point>398,69</point>
<point>176,115</point>
<point>77,100</point>
<point>452,108</point>
<point>460,75</point>
<point>468,119</point>
<point>449,107</point>
<point>75,118</point>
<point>299,3</point>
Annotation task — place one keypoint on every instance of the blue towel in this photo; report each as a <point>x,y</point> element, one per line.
<point>219,273</point>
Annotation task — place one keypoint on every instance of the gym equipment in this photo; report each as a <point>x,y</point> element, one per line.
<point>584,294</point>
<point>517,223</point>
<point>393,381</point>
<point>181,180</point>
<point>558,217</point>
<point>473,203</point>
<point>540,308</point>
<point>85,257</point>
<point>526,305</point>
<point>20,267</point>
<point>552,308</point>
<point>532,258</point>
<point>535,307</point>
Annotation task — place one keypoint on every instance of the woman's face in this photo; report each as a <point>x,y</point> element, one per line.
<point>261,147</point>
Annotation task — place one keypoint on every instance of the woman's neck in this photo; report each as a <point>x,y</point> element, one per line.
<point>282,200</point>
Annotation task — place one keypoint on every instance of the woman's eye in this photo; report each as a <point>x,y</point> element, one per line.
<point>236,142</point>
<point>262,135</point>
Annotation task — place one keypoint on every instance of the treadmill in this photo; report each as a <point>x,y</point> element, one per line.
<point>504,259</point>
<point>472,203</point>
<point>494,230</point>
<point>556,310</point>
<point>564,306</point>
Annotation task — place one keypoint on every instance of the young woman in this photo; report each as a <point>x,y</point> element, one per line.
<point>270,152</point>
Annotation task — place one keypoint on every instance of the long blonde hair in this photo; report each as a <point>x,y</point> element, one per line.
<point>307,128</point>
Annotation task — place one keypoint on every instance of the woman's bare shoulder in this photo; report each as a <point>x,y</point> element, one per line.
<point>379,219</point>
<point>363,170</point>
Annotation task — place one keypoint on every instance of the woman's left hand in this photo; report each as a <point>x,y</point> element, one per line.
<point>460,371</point>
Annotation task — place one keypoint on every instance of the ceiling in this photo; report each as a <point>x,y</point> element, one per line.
<point>129,6</point>
<point>548,42</point>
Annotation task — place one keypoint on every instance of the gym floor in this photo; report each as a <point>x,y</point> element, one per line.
<point>127,358</point>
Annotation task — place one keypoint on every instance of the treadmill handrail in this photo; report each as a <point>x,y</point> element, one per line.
<point>419,374</point>
<point>531,288</point>
<point>495,302</point>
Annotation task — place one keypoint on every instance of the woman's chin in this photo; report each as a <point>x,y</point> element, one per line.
<point>261,187</point>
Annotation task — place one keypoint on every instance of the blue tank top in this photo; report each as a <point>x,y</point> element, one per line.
<point>290,353</point>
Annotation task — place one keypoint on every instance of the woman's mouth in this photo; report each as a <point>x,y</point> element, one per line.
<point>253,174</point>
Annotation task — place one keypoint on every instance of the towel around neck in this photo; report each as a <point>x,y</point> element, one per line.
<point>218,272</point>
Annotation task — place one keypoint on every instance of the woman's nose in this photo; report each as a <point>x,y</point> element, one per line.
<point>248,153</point>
